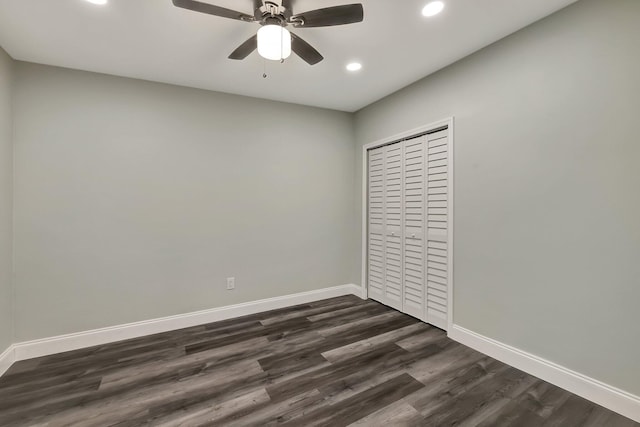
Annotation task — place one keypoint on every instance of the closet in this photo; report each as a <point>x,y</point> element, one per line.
<point>408,227</point>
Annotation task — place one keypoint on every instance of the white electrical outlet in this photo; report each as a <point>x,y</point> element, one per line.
<point>231,283</point>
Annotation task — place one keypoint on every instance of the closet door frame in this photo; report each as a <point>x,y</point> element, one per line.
<point>449,122</point>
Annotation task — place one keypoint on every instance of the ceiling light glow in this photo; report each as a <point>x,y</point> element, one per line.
<point>99,2</point>
<point>433,8</point>
<point>274,42</point>
<point>354,66</point>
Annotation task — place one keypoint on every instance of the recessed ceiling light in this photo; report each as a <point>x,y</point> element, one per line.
<point>354,66</point>
<point>433,8</point>
<point>100,2</point>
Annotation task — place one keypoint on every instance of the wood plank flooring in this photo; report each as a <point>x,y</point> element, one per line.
<point>336,362</point>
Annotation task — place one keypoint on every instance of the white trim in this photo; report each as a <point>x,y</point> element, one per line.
<point>75,341</point>
<point>362,292</point>
<point>7,358</point>
<point>388,140</point>
<point>591,389</point>
<point>450,218</point>
<point>364,280</point>
<point>449,122</point>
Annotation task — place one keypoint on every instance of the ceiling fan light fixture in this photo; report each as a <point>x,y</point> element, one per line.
<point>274,42</point>
<point>433,8</point>
<point>354,66</point>
<point>98,2</point>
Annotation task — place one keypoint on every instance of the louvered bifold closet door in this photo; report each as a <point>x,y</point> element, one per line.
<point>393,289</point>
<point>409,210</point>
<point>414,156</point>
<point>438,205</point>
<point>376,226</point>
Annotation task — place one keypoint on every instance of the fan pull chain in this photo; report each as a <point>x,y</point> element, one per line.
<point>264,69</point>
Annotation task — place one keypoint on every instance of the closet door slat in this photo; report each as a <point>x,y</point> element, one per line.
<point>376,236</point>
<point>394,208</point>
<point>414,297</point>
<point>437,232</point>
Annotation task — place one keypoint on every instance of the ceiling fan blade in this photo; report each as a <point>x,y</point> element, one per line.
<point>329,16</point>
<point>210,9</point>
<point>245,48</point>
<point>305,51</point>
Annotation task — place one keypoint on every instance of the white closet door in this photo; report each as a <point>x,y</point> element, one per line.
<point>437,228</point>
<point>393,169</point>
<point>414,156</point>
<point>376,237</point>
<point>408,226</point>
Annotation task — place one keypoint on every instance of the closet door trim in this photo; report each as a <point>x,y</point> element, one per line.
<point>449,123</point>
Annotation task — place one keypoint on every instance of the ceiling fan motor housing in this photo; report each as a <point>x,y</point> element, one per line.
<point>271,8</point>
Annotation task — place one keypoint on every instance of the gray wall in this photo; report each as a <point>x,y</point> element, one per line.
<point>135,200</point>
<point>6,201</point>
<point>547,182</point>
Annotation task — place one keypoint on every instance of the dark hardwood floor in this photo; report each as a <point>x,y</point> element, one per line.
<point>336,362</point>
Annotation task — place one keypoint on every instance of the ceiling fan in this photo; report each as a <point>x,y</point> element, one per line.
<point>273,40</point>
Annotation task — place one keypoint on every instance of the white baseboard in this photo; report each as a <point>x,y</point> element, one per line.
<point>360,291</point>
<point>7,358</point>
<point>75,341</point>
<point>596,391</point>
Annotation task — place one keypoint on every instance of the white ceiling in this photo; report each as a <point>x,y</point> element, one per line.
<point>153,40</point>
